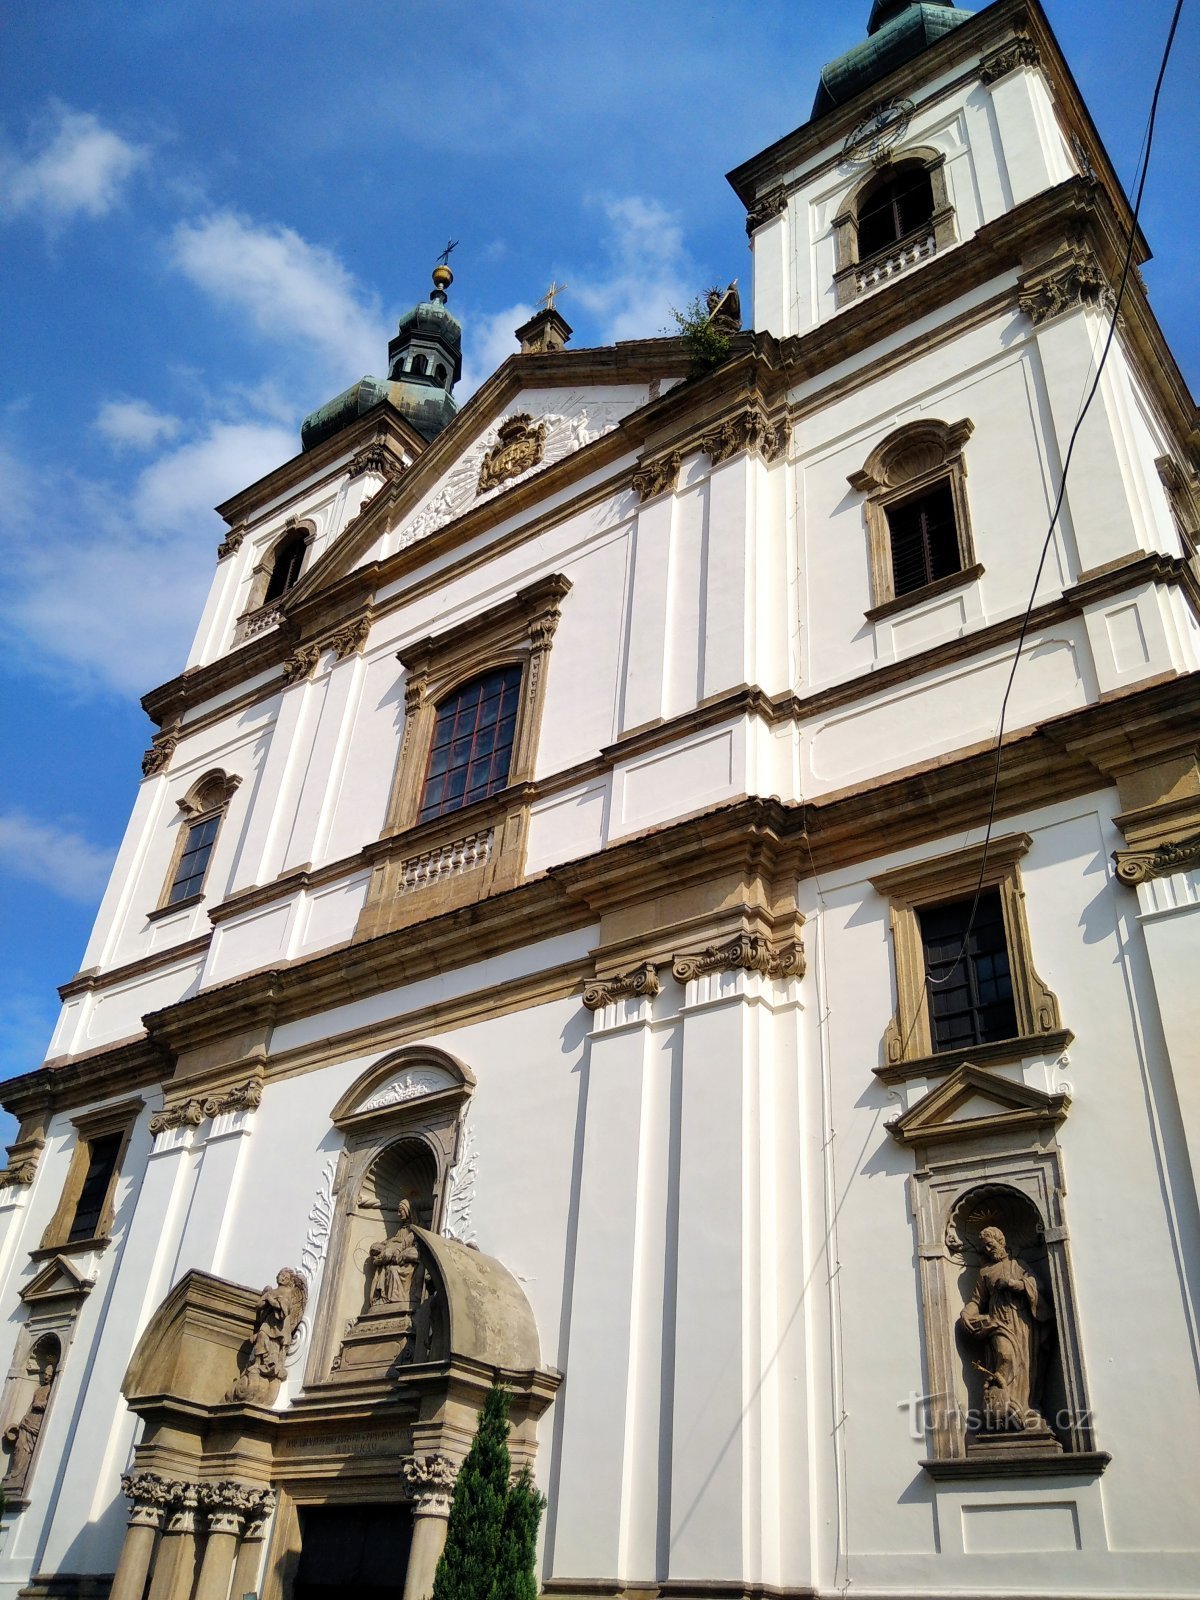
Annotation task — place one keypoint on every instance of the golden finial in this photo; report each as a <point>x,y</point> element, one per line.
<point>548,297</point>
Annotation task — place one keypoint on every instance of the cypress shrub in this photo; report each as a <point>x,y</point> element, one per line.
<point>516,1578</point>
<point>468,1565</point>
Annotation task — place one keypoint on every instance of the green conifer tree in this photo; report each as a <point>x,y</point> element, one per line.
<point>516,1577</point>
<point>467,1568</point>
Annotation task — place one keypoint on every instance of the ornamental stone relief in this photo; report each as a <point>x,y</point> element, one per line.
<point>1075,279</point>
<point>1158,861</point>
<point>191,1113</point>
<point>641,981</point>
<point>749,952</point>
<point>470,481</point>
<point>750,429</point>
<point>768,206</point>
<point>658,476</point>
<point>1021,52</point>
<point>158,757</point>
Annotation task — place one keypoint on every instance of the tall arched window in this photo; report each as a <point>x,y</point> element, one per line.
<point>419,364</point>
<point>203,808</point>
<point>898,203</point>
<point>472,742</point>
<point>286,565</point>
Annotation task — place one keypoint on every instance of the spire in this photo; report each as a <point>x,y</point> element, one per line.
<point>897,30</point>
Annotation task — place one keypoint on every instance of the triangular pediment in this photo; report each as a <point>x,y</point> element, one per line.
<point>60,1279</point>
<point>974,1103</point>
<point>534,414</point>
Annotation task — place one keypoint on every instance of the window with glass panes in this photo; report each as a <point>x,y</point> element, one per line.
<point>193,863</point>
<point>102,1163</point>
<point>970,1000</point>
<point>472,742</point>
<point>924,539</point>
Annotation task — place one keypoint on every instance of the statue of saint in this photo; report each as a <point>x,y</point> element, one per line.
<point>276,1317</point>
<point>22,1437</point>
<point>1008,1311</point>
<point>392,1264</point>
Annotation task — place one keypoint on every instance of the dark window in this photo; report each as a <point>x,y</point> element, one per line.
<point>472,742</point>
<point>193,863</point>
<point>102,1163</point>
<point>975,1004</point>
<point>924,539</point>
<point>419,364</point>
<point>440,373</point>
<point>289,558</point>
<point>895,206</point>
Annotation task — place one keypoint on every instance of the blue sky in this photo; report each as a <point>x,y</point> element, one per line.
<point>212,216</point>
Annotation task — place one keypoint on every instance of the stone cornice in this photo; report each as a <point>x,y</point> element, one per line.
<point>1066,756</point>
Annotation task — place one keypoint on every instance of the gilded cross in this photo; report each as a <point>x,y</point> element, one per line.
<point>548,297</point>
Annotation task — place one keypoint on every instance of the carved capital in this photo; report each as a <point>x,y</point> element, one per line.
<point>657,476</point>
<point>23,1158</point>
<point>226,1504</point>
<point>747,951</point>
<point>192,1112</point>
<point>642,981</point>
<point>1074,279</point>
<point>157,758</point>
<point>430,1483</point>
<point>1021,52</point>
<point>302,663</point>
<point>749,429</point>
<point>376,457</point>
<point>181,1507</point>
<point>232,542</point>
<point>1157,861</point>
<point>148,1496</point>
<point>768,205</point>
<point>348,641</point>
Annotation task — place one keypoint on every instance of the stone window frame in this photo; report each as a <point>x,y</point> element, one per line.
<point>975,1137</point>
<point>908,1039</point>
<point>941,224</point>
<point>469,852</point>
<point>257,614</point>
<point>913,458</point>
<point>208,797</point>
<point>432,1115</point>
<point>93,1125</point>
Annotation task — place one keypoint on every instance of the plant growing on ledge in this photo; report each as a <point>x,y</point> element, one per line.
<point>707,344</point>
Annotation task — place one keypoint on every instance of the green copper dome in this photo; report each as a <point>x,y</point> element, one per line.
<point>424,364</point>
<point>897,31</point>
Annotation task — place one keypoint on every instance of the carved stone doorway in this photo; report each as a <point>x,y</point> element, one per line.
<point>358,1551</point>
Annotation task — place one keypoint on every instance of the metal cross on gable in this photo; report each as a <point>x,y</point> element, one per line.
<point>548,297</point>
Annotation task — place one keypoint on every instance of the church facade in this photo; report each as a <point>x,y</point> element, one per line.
<point>575,931</point>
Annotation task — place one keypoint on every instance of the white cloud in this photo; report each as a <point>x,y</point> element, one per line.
<point>649,271</point>
<point>106,583</point>
<point>135,424</point>
<point>58,857</point>
<point>489,340</point>
<point>78,167</point>
<point>289,289</point>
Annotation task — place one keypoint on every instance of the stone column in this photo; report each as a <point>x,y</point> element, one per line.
<point>149,1495</point>
<point>223,1505</point>
<point>430,1481</point>
<point>261,1503</point>
<point>175,1563</point>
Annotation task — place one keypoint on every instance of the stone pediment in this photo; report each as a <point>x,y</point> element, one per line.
<point>971,1103</point>
<point>400,1079</point>
<point>60,1280</point>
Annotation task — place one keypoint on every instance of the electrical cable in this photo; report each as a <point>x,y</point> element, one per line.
<point>1148,143</point>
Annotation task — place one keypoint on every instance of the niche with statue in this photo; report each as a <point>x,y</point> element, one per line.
<point>379,1310</point>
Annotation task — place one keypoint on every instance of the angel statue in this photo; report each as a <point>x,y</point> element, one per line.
<point>276,1318</point>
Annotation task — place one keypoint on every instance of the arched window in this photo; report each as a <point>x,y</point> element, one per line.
<point>898,203</point>
<point>286,565</point>
<point>419,364</point>
<point>440,374</point>
<point>472,742</point>
<point>203,806</point>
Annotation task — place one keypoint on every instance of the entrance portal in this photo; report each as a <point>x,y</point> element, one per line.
<point>358,1551</point>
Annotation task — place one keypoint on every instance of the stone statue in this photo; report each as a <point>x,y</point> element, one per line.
<point>725,308</point>
<point>276,1317</point>
<point>1008,1311</point>
<point>22,1437</point>
<point>392,1264</point>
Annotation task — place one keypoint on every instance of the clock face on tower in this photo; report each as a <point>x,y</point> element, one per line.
<point>877,132</point>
